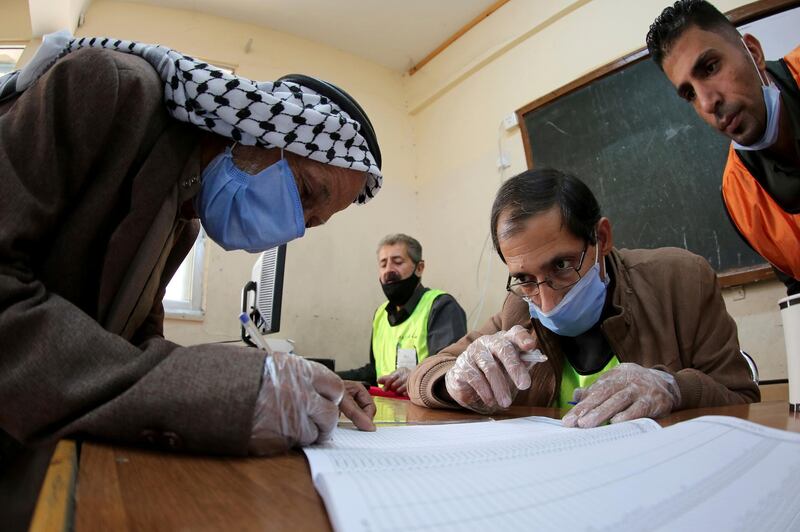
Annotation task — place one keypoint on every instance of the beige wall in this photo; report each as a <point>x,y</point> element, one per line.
<point>15,22</point>
<point>439,132</point>
<point>755,309</point>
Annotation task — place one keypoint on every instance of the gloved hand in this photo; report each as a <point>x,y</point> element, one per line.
<point>488,374</point>
<point>628,391</point>
<point>396,381</point>
<point>298,404</point>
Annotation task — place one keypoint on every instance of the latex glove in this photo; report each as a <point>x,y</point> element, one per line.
<point>488,374</point>
<point>298,404</point>
<point>396,381</point>
<point>628,391</point>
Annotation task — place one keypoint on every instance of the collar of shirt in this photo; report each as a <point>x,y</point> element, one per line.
<point>396,316</point>
<point>790,97</point>
<point>780,181</point>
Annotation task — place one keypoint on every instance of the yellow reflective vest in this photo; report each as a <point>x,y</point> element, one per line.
<point>571,379</point>
<point>411,334</point>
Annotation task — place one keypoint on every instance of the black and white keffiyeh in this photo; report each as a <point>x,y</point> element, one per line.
<point>278,114</point>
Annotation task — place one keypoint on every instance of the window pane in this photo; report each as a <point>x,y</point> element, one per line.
<point>184,293</point>
<point>180,286</point>
<point>9,55</point>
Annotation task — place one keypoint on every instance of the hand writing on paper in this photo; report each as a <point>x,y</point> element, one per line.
<point>299,402</point>
<point>488,374</point>
<point>296,404</point>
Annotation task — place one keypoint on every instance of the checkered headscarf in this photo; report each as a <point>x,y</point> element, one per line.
<point>279,114</point>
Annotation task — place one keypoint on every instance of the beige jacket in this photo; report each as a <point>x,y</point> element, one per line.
<point>670,316</point>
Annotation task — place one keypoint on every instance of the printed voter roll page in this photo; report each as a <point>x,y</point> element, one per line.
<point>424,446</point>
<point>338,466</point>
<point>711,473</point>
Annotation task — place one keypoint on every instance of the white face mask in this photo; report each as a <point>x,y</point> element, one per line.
<point>772,102</point>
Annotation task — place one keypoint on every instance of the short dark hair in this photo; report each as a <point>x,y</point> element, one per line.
<point>413,247</point>
<point>536,191</point>
<point>674,20</point>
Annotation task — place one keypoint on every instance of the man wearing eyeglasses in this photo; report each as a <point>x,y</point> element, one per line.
<point>627,333</point>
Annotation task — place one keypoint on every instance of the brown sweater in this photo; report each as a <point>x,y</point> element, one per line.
<point>669,315</point>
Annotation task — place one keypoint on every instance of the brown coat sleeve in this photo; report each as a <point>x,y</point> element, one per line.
<point>427,376</point>
<point>61,373</point>
<point>715,372</point>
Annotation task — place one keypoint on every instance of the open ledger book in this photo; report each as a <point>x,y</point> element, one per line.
<point>710,473</point>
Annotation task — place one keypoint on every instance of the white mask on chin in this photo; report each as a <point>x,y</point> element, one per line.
<point>772,103</point>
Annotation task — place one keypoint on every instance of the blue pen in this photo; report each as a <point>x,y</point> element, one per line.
<point>253,333</point>
<point>573,403</point>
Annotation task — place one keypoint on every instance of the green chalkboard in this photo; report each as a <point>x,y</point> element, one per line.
<point>654,166</point>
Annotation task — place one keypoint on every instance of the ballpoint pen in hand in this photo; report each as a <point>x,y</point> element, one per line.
<point>253,333</point>
<point>533,357</point>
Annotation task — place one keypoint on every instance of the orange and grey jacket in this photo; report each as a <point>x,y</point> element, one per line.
<point>770,230</point>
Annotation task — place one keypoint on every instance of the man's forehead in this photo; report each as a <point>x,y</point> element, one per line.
<point>685,50</point>
<point>542,239</point>
<point>543,255</point>
<point>543,225</point>
<point>389,251</point>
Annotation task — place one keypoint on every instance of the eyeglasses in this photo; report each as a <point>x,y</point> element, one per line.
<point>558,280</point>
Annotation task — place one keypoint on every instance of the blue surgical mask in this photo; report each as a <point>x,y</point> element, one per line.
<point>250,212</point>
<point>772,102</point>
<point>580,309</point>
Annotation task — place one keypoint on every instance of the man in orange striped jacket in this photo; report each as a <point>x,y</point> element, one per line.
<point>755,103</point>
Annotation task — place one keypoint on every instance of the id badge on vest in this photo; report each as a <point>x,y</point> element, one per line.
<point>406,358</point>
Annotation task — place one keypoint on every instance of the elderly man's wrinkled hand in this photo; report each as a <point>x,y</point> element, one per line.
<point>297,404</point>
<point>488,374</point>
<point>358,406</point>
<point>396,381</point>
<point>628,391</point>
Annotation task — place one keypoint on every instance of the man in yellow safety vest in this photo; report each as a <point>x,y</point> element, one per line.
<point>413,323</point>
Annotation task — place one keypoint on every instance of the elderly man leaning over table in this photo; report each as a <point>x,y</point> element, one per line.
<point>112,155</point>
<point>628,333</point>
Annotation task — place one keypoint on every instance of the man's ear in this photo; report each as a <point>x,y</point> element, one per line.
<point>420,268</point>
<point>757,52</point>
<point>605,237</point>
<point>212,145</point>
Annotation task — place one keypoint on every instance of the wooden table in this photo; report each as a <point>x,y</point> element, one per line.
<point>122,488</point>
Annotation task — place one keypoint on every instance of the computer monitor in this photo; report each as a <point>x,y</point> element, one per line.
<point>262,295</point>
